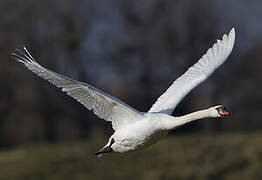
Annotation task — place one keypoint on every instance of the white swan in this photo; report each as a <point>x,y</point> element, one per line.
<point>133,129</point>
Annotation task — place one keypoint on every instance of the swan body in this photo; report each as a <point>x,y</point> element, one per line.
<point>152,128</point>
<point>136,130</point>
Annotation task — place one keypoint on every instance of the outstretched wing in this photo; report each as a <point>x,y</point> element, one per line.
<point>103,105</point>
<point>196,74</point>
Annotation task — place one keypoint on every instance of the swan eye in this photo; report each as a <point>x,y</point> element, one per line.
<point>222,111</point>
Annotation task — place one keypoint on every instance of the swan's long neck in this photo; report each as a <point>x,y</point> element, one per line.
<point>178,121</point>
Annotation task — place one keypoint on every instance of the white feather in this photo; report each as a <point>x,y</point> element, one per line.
<point>104,106</point>
<point>196,74</point>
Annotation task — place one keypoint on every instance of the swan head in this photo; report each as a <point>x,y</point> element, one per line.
<point>219,111</point>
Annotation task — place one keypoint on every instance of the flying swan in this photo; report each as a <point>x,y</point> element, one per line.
<point>136,130</point>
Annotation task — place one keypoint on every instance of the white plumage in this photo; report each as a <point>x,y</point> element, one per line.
<point>196,74</point>
<point>133,129</point>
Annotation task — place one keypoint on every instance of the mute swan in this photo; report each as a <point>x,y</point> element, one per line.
<point>133,129</point>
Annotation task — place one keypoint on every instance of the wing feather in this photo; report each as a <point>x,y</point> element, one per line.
<point>103,105</point>
<point>195,75</point>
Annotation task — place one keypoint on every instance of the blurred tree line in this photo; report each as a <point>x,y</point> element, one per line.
<point>132,50</point>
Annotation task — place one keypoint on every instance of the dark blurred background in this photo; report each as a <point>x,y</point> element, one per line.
<point>132,50</point>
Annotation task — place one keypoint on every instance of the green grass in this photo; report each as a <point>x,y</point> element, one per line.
<point>175,157</point>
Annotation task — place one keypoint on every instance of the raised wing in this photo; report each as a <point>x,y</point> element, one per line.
<point>103,105</point>
<point>196,74</point>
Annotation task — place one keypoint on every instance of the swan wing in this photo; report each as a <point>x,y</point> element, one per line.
<point>103,105</point>
<point>196,74</point>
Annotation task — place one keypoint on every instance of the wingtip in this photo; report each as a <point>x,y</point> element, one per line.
<point>231,36</point>
<point>24,47</point>
<point>23,55</point>
<point>232,32</point>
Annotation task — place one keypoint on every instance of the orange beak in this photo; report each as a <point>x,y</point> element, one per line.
<point>223,112</point>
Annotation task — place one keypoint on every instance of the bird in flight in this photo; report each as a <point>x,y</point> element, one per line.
<point>135,130</point>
